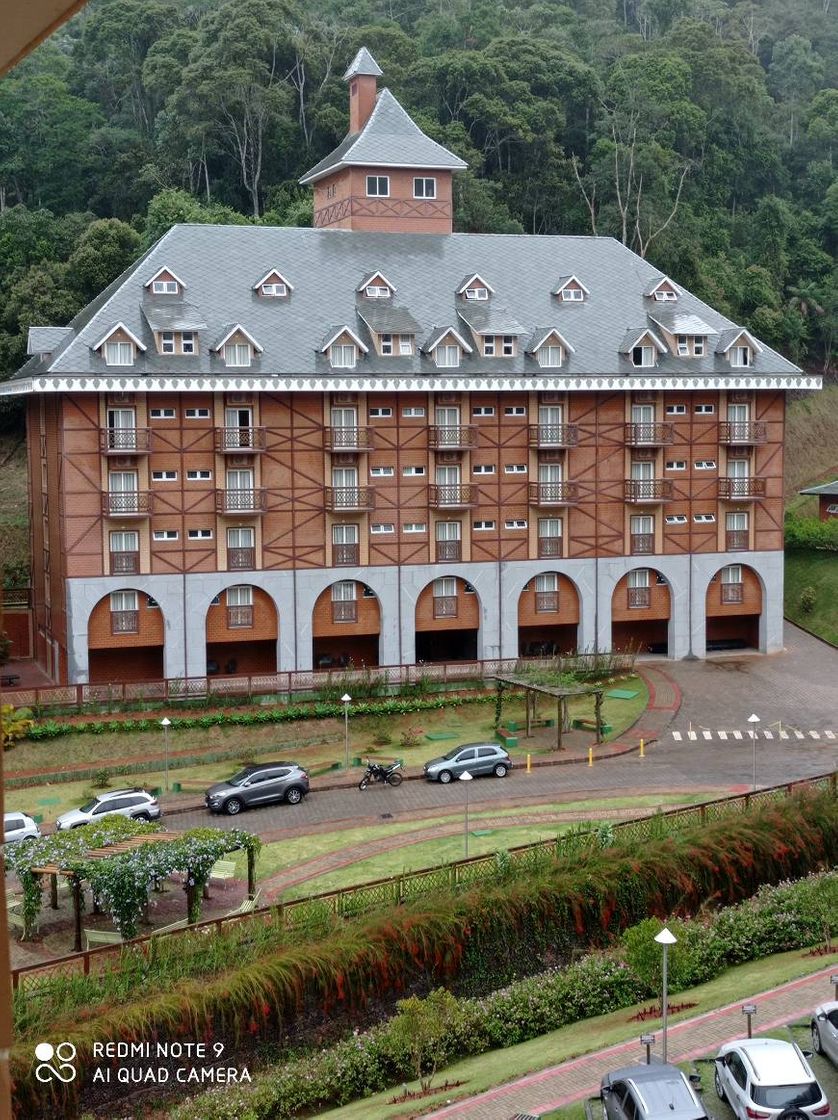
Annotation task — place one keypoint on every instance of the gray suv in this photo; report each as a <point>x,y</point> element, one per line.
<point>258,785</point>
<point>477,758</point>
<point>653,1092</point>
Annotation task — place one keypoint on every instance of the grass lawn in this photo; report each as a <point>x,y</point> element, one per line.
<point>500,1066</point>
<point>818,570</point>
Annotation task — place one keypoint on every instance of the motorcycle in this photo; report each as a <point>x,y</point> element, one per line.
<point>378,772</point>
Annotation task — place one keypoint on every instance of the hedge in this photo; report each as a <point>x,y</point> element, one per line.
<point>809,532</point>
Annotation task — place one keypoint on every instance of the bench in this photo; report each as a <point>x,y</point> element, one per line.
<point>516,725</point>
<point>508,738</point>
<point>9,679</point>
<point>101,937</point>
<point>590,725</point>
<point>247,906</point>
<point>182,924</point>
<point>189,785</point>
<point>222,870</point>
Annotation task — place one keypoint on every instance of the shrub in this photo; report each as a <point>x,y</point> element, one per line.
<point>14,725</point>
<point>410,737</point>
<point>808,599</point>
<point>101,779</point>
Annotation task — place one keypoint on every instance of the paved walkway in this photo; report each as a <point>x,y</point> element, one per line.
<point>690,1038</point>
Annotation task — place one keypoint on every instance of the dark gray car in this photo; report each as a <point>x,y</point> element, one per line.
<point>258,785</point>
<point>654,1092</point>
<point>477,758</point>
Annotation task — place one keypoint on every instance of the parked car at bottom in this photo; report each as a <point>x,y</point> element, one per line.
<point>650,1092</point>
<point>136,804</point>
<point>259,784</point>
<point>825,1030</point>
<point>19,826</point>
<point>477,758</point>
<point>762,1077</point>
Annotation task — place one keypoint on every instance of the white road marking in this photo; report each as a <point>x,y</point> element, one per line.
<point>784,734</point>
<point>692,734</point>
<point>799,734</point>
<point>829,734</point>
<point>722,734</point>
<point>707,734</point>
<point>737,734</point>
<point>769,734</point>
<point>677,736</point>
<point>815,734</point>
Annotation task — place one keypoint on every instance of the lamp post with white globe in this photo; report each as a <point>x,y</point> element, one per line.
<point>665,938</point>
<point>753,720</point>
<point>466,777</point>
<point>346,700</point>
<point>166,723</point>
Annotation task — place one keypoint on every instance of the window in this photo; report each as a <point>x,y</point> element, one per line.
<point>164,476</point>
<point>405,345</point>
<point>676,519</point>
<point>381,527</point>
<point>643,356</point>
<point>483,468</point>
<point>515,410</point>
<point>386,344</point>
<point>832,509</point>
<point>489,346</point>
<point>508,346</point>
<point>377,291</point>
<point>162,413</point>
<point>698,347</point>
<point>412,472</point>
<point>515,523</point>
<point>477,293</point>
<point>343,356</point>
<point>572,295</point>
<point>240,596</point>
<point>424,188</point>
<point>683,346</point>
<point>549,356</point>
<point>740,356</point>
<point>382,472</point>
<point>413,413</point>
<point>481,526</point>
<point>331,190</point>
<point>167,342</point>
<point>164,287</point>
<point>447,357</point>
<point>199,534</point>
<point>202,475</point>
<point>378,186</point>
<point>732,574</point>
<point>483,410</point>
<point>704,518</point>
<point>515,468</point>
<point>445,587</point>
<point>380,413</point>
<point>164,534</point>
<point>676,464</point>
<point>415,527</point>
<point>676,410</point>
<point>197,414</point>
<point>151,603</point>
<point>664,295</point>
<point>705,409</point>
<point>237,353</point>
<point>119,353</point>
<point>275,290</point>
<point>705,464</point>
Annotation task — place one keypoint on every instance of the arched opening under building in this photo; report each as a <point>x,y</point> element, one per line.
<point>548,616</point>
<point>125,638</point>
<point>447,621</point>
<point>242,628</point>
<point>641,607</point>
<point>733,608</point>
<point>346,626</point>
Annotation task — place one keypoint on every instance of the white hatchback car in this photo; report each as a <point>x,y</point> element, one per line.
<point>763,1077</point>
<point>18,826</point>
<point>825,1030</point>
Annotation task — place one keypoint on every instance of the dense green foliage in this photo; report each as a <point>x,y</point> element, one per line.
<point>813,569</point>
<point>699,132</point>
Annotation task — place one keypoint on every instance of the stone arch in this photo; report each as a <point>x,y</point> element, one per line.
<point>448,616</point>
<point>734,603</point>
<point>242,628</point>
<point>548,615</point>
<point>346,625</point>
<point>126,637</point>
<point>642,611</point>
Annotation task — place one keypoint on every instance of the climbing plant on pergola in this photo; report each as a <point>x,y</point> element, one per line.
<point>559,693</point>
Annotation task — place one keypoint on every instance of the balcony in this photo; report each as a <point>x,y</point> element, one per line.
<point>240,441</point>
<point>124,441</point>
<point>647,489</point>
<point>125,563</point>
<point>742,433</point>
<point>452,497</point>
<point>546,602</point>
<point>553,435</point>
<point>553,493</point>
<point>357,498</point>
<point>454,438</point>
<point>346,555</point>
<point>639,596</point>
<point>550,546</point>
<point>125,622</point>
<point>732,592</point>
<point>649,435</point>
<point>741,489</point>
<point>241,501</point>
<point>736,540</point>
<point>445,606</point>
<point>344,610</point>
<point>241,559</point>
<point>348,439</point>
<point>642,544</point>
<point>449,550</point>
<point>128,503</point>
<point>240,618</point>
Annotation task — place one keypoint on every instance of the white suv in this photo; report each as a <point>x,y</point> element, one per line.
<point>763,1077</point>
<point>135,803</point>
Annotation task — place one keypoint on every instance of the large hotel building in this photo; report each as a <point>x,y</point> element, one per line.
<point>378,442</point>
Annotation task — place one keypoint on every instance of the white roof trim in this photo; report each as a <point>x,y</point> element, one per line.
<point>643,332</point>
<point>445,333</point>
<point>273,272</point>
<point>370,276</point>
<point>570,280</point>
<point>345,330</point>
<point>653,287</point>
<point>751,340</point>
<point>470,284</point>
<point>550,334</point>
<point>237,328</point>
<point>148,283</point>
<point>120,326</point>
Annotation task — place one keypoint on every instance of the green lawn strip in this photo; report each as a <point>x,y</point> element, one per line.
<point>589,1036</point>
<point>819,570</point>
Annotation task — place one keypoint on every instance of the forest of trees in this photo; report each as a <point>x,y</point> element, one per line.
<point>702,133</point>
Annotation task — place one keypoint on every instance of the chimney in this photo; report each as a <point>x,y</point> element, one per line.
<point>361,75</point>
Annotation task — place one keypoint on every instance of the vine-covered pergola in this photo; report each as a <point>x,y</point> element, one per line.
<point>560,693</point>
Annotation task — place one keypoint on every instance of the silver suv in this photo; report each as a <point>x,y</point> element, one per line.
<point>762,1077</point>
<point>136,804</point>
<point>258,785</point>
<point>652,1092</point>
<point>824,1027</point>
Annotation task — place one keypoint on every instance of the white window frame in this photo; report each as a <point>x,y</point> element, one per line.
<point>240,595</point>
<point>165,287</point>
<point>445,587</point>
<point>647,356</point>
<point>377,291</point>
<point>489,345</point>
<point>237,355</point>
<point>483,526</point>
<point>516,523</point>
<point>705,409</point>
<point>167,342</point>
<point>507,345</point>
<point>704,465</point>
<point>483,410</point>
<point>740,357</point>
<point>683,344</point>
<point>380,528</point>
<point>476,293</point>
<point>413,412</point>
<point>704,518</point>
<point>447,356</point>
<point>664,295</point>
<point>550,355</point>
<point>164,534</point>
<point>415,527</point>
<point>515,410</point>
<point>162,414</point>
<point>732,573</point>
<point>275,291</point>
<point>375,182</point>
<point>124,600</point>
<point>420,187</point>
<point>483,468</point>
<point>414,471</point>
<point>699,344</point>
<point>382,472</point>
<point>676,465</point>
<point>199,474</point>
<point>343,355</point>
<point>199,534</point>
<point>197,414</point>
<point>515,468</point>
<point>387,345</point>
<point>380,413</point>
<point>676,410</point>
<point>119,353</point>
<point>676,519</point>
<point>405,345</point>
<point>124,540</point>
<point>164,476</point>
<point>572,295</point>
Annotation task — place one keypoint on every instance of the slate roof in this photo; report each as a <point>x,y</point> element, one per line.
<point>727,338</point>
<point>390,138</point>
<point>362,63</point>
<point>677,321</point>
<point>633,336</point>
<point>381,317</point>
<point>827,489</point>
<point>43,340</point>
<point>219,263</point>
<point>178,316</point>
<point>488,318</point>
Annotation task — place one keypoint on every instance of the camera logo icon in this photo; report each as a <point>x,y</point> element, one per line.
<point>55,1063</point>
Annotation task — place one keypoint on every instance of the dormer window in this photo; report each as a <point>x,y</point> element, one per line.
<point>164,287</point>
<point>665,295</point>
<point>499,345</point>
<point>378,186</point>
<point>396,344</point>
<point>176,342</point>
<point>683,346</point>
<point>643,356</point>
<point>475,288</point>
<point>187,342</point>
<point>165,283</point>
<point>447,355</point>
<point>662,290</point>
<point>119,346</point>
<point>275,290</point>
<point>377,291</point>
<point>237,354</point>
<point>343,355</point>
<point>273,286</point>
<point>119,353</point>
<point>167,342</point>
<point>405,345</point>
<point>570,289</point>
<point>549,349</point>
<point>699,346</point>
<point>476,293</point>
<point>375,285</point>
<point>237,347</point>
<point>573,295</point>
<point>549,355</point>
<point>741,356</point>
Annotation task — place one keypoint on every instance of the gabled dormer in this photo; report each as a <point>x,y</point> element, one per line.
<point>237,347</point>
<point>570,289</point>
<point>549,348</point>
<point>343,347</point>
<point>393,329</point>
<point>662,290</point>
<point>119,346</point>
<point>739,347</point>
<point>686,334</point>
<point>642,347</point>
<point>273,285</point>
<point>165,283</point>
<point>446,346</point>
<point>475,289</point>
<point>375,285</point>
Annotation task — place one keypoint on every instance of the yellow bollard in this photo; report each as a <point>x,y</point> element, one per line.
<point>529,763</point>
<point>590,756</point>
<point>642,749</point>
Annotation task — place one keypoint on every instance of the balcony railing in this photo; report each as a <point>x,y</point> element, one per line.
<point>125,563</point>
<point>642,544</point>
<point>344,610</point>
<point>452,496</point>
<point>452,438</point>
<point>647,489</point>
<point>125,622</point>
<point>736,540</point>
<point>741,488</point>
<point>124,441</point>
<point>553,493</point>
<point>649,435</point>
<point>240,440</point>
<point>742,432</point>
<point>553,435</point>
<point>639,596</point>
<point>239,617</point>
<point>445,606</point>
<point>127,503</point>
<point>241,559</point>
<point>732,592</point>
<point>350,498</point>
<point>348,439</point>
<point>550,546</point>
<point>546,602</point>
<point>346,555</point>
<point>241,501</point>
<point>449,550</point>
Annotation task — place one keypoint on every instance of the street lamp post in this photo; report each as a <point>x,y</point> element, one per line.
<point>753,720</point>
<point>466,777</point>
<point>665,938</point>
<point>346,699</point>
<point>166,723</point>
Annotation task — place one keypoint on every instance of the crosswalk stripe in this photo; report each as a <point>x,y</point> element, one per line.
<point>815,734</point>
<point>692,734</point>
<point>769,734</point>
<point>799,734</point>
<point>722,734</point>
<point>737,734</point>
<point>829,734</point>
<point>677,736</point>
<point>784,734</point>
<point>707,734</point>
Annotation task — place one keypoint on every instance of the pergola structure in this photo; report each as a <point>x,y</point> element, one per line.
<point>560,695</point>
<point>121,848</point>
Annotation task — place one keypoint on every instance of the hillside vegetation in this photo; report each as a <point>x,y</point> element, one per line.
<point>811,447</point>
